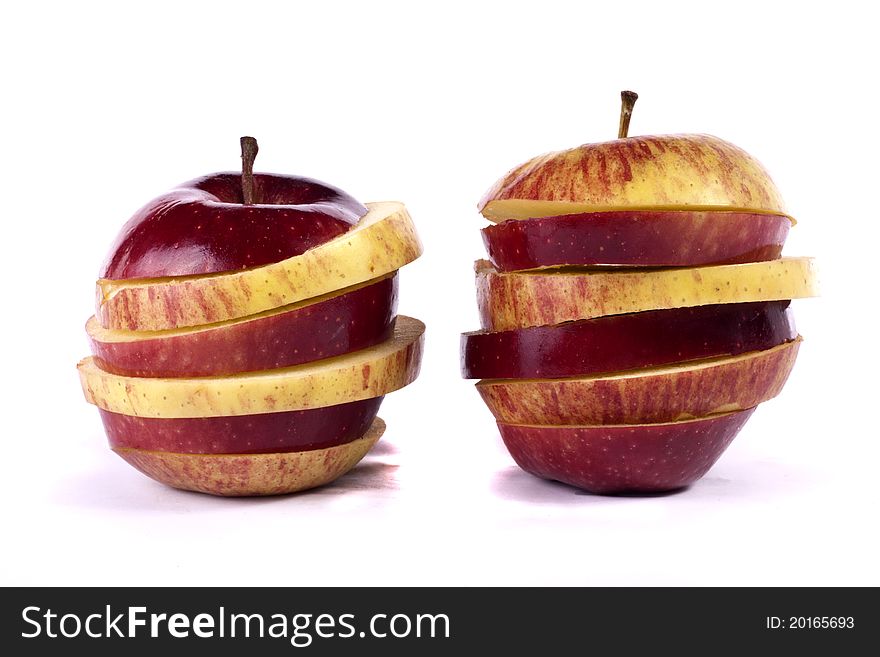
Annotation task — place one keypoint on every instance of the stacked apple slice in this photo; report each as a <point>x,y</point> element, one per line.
<point>635,310</point>
<point>246,332</point>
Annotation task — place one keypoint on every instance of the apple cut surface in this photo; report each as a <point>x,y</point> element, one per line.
<point>521,299</point>
<point>323,327</point>
<point>291,431</point>
<point>383,241</point>
<point>637,239</point>
<point>624,342</point>
<point>642,458</point>
<point>238,475</point>
<point>663,394</point>
<point>662,172</point>
<point>363,374</point>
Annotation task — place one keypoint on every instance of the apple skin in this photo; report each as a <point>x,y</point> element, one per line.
<point>239,475</point>
<point>662,172</point>
<point>636,239</point>
<point>337,325</point>
<point>626,342</point>
<point>291,431</point>
<point>382,242</point>
<point>203,226</point>
<point>645,458</point>
<point>371,372</point>
<point>522,299</point>
<point>665,394</point>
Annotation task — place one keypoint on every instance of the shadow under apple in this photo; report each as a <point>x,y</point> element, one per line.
<point>118,489</point>
<point>513,483</point>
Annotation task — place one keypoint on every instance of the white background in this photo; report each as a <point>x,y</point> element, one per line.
<point>105,106</point>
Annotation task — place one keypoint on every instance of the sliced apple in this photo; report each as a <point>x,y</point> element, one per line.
<point>624,342</point>
<point>383,241</point>
<point>326,326</point>
<point>662,172</point>
<point>362,374</point>
<point>643,458</point>
<point>522,299</point>
<point>237,475</point>
<point>636,239</point>
<point>662,394</point>
<point>290,431</point>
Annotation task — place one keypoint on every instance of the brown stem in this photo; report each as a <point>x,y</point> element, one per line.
<point>627,99</point>
<point>249,150</point>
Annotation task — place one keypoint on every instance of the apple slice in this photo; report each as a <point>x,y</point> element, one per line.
<point>291,431</point>
<point>624,342</point>
<point>383,241</point>
<point>355,318</point>
<point>636,238</point>
<point>661,172</point>
<point>237,475</point>
<point>522,299</point>
<point>204,226</point>
<point>662,394</point>
<point>644,458</point>
<point>358,375</point>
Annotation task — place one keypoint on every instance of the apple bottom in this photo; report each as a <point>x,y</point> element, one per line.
<point>288,431</point>
<point>644,458</point>
<point>663,394</point>
<point>239,475</point>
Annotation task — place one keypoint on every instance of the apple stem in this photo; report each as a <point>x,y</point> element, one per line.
<point>249,150</point>
<point>627,99</point>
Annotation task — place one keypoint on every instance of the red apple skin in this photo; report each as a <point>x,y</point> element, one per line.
<point>348,322</point>
<point>647,458</point>
<point>625,342</point>
<point>649,396</point>
<point>636,239</point>
<point>290,431</point>
<point>203,227</point>
<point>646,171</point>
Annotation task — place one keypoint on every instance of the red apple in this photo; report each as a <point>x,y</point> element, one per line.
<point>237,475</point>
<point>290,431</point>
<point>245,332</point>
<point>662,394</point>
<point>639,238</point>
<point>662,172</point>
<point>625,342</point>
<point>204,226</point>
<point>644,458</point>
<point>593,376</point>
<point>318,328</point>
